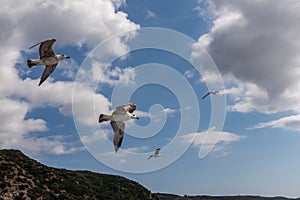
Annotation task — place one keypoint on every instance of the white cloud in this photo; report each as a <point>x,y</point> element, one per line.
<point>53,145</point>
<point>71,22</point>
<point>169,111</point>
<point>205,9</point>
<point>247,97</point>
<point>99,134</point>
<point>189,73</point>
<point>15,130</point>
<point>209,77</point>
<point>68,69</point>
<point>204,138</point>
<point>228,20</point>
<point>140,113</point>
<point>87,106</point>
<point>206,141</point>
<point>291,122</point>
<point>60,95</point>
<point>13,122</point>
<point>104,74</point>
<point>256,43</point>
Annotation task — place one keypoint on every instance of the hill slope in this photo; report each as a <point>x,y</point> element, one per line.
<point>24,178</point>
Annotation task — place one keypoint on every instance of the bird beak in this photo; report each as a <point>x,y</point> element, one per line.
<point>68,57</point>
<point>137,118</point>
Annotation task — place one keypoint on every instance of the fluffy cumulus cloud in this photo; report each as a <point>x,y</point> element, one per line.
<point>15,126</point>
<point>103,74</point>
<point>13,122</point>
<point>256,43</point>
<point>73,23</point>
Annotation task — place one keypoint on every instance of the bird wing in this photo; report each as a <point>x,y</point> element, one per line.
<point>118,128</point>
<point>205,95</point>
<point>125,108</point>
<point>119,110</point>
<point>129,107</point>
<point>46,48</point>
<point>48,70</point>
<point>157,151</point>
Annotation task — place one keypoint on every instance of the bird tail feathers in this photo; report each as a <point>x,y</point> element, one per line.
<point>103,118</point>
<point>116,148</point>
<point>32,63</point>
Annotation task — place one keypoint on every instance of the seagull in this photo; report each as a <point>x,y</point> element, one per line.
<point>156,154</point>
<point>47,58</point>
<point>117,118</point>
<point>211,92</point>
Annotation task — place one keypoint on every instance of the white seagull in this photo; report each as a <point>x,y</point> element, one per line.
<point>156,154</point>
<point>211,92</point>
<point>47,58</point>
<point>117,118</point>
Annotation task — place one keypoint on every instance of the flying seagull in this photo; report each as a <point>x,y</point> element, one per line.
<point>117,118</point>
<point>47,58</point>
<point>211,92</point>
<point>156,154</point>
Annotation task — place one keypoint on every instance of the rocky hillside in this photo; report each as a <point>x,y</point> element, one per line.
<point>24,178</point>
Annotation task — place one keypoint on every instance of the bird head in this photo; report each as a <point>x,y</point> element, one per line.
<point>61,57</point>
<point>133,105</point>
<point>133,116</point>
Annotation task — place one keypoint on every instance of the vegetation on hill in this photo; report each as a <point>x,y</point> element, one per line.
<point>24,178</point>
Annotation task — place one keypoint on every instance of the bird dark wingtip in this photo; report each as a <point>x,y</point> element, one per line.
<point>34,45</point>
<point>40,83</point>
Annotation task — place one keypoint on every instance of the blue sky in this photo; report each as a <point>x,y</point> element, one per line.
<point>254,51</point>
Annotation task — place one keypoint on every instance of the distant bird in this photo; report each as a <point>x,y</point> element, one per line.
<point>47,58</point>
<point>156,154</point>
<point>211,92</point>
<point>117,118</point>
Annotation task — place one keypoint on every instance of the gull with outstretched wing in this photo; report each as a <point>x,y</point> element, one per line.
<point>211,92</point>
<point>117,118</point>
<point>47,58</point>
<point>156,154</point>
